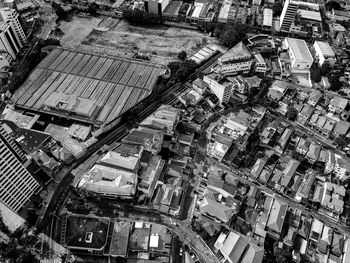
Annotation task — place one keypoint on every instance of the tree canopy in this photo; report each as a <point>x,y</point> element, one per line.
<point>140,17</point>
<point>231,35</point>
<point>182,55</point>
<point>181,70</point>
<point>277,9</point>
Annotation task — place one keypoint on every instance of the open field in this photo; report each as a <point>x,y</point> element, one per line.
<point>165,41</point>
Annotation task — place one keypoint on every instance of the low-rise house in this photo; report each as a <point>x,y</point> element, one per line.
<point>303,146</point>
<point>283,140</point>
<point>337,105</point>
<point>260,64</point>
<point>337,245</point>
<point>268,132</point>
<point>305,114</point>
<point>328,127</point>
<point>237,248</point>
<point>341,128</point>
<point>282,177</point>
<point>314,98</point>
<point>215,209</point>
<point>276,218</point>
<point>325,240</point>
<point>277,90</point>
<point>331,197</point>
<point>342,168</point>
<point>316,230</point>
<point>330,163</point>
<point>313,153</point>
<point>283,106</point>
<point>258,168</point>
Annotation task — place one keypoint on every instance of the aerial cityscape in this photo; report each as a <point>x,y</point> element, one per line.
<point>192,131</point>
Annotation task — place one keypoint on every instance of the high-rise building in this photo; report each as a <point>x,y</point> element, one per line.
<point>9,42</point>
<point>290,8</point>
<point>156,7</point>
<point>16,184</point>
<point>8,14</point>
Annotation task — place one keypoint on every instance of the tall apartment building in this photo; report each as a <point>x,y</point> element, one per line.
<point>9,42</point>
<point>289,10</point>
<point>8,14</point>
<point>156,7</point>
<point>220,86</point>
<point>16,183</point>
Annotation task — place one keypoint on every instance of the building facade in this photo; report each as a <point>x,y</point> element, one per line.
<point>11,15</point>
<point>9,42</point>
<point>16,184</point>
<point>289,11</point>
<point>300,55</point>
<point>156,7</point>
<point>220,87</point>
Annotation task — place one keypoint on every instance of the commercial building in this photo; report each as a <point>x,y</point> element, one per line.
<point>237,60</point>
<point>92,89</point>
<point>299,53</point>
<point>289,11</point>
<point>220,86</point>
<point>324,53</point>
<point>16,184</point>
<point>156,7</point>
<point>10,15</point>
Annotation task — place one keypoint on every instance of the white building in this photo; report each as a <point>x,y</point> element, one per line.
<point>237,60</point>
<point>220,86</point>
<point>300,55</point>
<point>289,11</point>
<point>268,17</point>
<point>341,169</point>
<point>324,53</point>
<point>156,7</point>
<point>9,42</point>
<point>11,15</point>
<point>260,64</point>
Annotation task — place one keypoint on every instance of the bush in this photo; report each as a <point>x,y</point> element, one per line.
<point>231,35</point>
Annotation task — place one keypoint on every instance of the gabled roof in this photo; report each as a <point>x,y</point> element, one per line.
<point>216,209</point>
<point>277,216</point>
<point>237,53</point>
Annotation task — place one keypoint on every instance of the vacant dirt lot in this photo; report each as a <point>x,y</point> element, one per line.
<point>77,30</point>
<point>165,41</point>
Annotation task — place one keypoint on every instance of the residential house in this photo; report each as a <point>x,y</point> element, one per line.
<point>330,163</point>
<point>268,132</point>
<point>276,218</point>
<point>316,230</point>
<point>305,114</point>
<point>303,146</point>
<point>314,98</point>
<point>337,105</point>
<point>341,128</point>
<point>283,140</point>
<point>260,64</point>
<point>342,168</point>
<point>325,240</point>
<point>237,248</point>
<point>258,168</point>
<point>314,152</point>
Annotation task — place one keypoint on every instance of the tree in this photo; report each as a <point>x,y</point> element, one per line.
<point>333,5</point>
<point>292,113</point>
<point>140,17</point>
<point>325,69</point>
<point>93,9</point>
<point>277,9</point>
<point>60,12</point>
<point>182,55</point>
<point>342,141</point>
<point>315,73</point>
<point>233,34</point>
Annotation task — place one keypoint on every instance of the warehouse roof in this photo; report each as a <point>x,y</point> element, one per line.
<point>92,88</point>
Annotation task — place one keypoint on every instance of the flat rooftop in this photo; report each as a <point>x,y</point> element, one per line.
<point>86,232</point>
<point>91,88</point>
<point>120,239</point>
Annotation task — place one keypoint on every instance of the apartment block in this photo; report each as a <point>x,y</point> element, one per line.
<point>9,42</point>
<point>16,184</point>
<point>11,15</point>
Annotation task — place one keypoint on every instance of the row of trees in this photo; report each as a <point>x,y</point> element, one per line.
<point>140,17</point>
